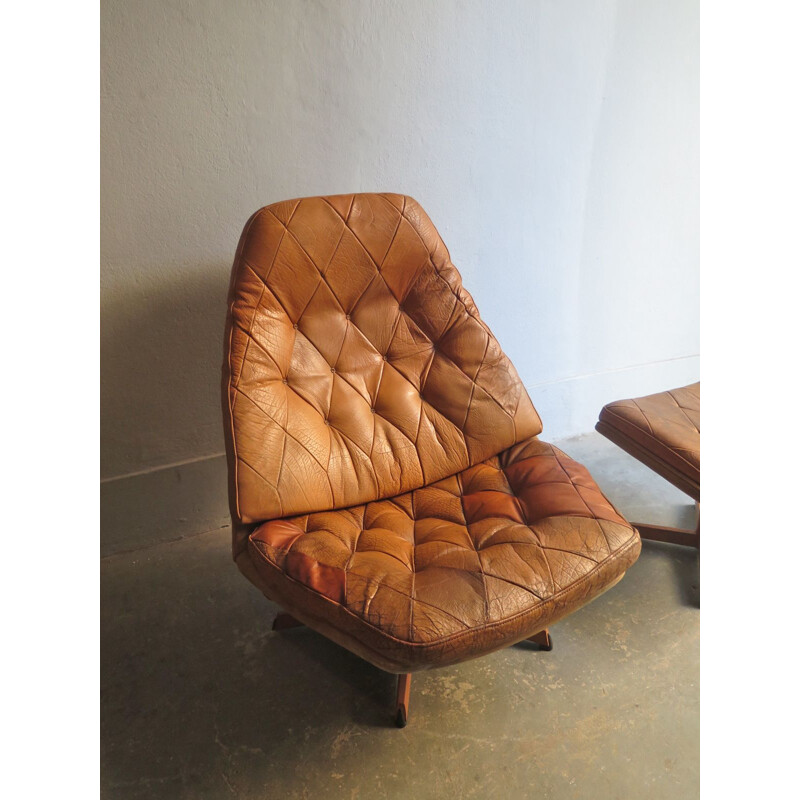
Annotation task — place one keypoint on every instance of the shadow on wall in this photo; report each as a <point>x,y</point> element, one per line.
<point>161,354</point>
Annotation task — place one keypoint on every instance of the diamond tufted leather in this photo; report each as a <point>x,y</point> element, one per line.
<point>387,485</point>
<point>359,366</point>
<point>661,429</point>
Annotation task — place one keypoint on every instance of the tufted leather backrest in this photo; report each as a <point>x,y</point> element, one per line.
<point>358,367</point>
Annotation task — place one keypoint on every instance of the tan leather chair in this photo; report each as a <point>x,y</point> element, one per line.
<point>387,485</point>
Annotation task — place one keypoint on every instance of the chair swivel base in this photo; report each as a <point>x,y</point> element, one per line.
<point>284,621</point>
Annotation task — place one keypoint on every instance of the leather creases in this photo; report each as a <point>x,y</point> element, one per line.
<point>388,486</point>
<point>359,367</point>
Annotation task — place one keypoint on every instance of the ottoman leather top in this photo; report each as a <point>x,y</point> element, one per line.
<point>666,424</point>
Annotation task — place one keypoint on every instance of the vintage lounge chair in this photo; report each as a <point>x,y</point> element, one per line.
<point>387,485</point>
<point>661,430</point>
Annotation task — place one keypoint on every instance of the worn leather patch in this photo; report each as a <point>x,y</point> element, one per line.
<point>279,533</point>
<point>322,578</point>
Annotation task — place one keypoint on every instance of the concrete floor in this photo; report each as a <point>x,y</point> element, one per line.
<point>201,700</point>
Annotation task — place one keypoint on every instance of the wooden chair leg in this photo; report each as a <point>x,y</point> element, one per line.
<point>543,639</point>
<point>284,621</point>
<point>403,692</point>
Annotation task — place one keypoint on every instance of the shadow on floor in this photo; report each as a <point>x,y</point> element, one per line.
<point>193,676</point>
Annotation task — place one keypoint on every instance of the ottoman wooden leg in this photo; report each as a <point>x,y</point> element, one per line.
<point>657,533</point>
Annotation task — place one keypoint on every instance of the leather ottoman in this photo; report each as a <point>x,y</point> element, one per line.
<point>661,430</point>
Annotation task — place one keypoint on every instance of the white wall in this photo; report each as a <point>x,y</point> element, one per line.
<point>554,144</point>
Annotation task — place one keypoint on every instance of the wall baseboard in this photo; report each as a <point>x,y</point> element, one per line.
<point>181,500</point>
<point>162,505</point>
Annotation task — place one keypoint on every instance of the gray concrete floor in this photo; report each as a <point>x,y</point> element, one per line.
<point>201,700</point>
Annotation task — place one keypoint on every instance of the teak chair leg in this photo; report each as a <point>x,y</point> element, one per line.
<point>658,533</point>
<point>403,692</point>
<point>543,639</point>
<point>284,621</point>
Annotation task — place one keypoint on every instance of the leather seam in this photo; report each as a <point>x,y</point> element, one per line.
<point>576,486</point>
<point>238,261</point>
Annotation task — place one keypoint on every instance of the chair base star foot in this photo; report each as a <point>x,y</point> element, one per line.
<point>401,706</point>
<point>543,639</point>
<point>284,621</point>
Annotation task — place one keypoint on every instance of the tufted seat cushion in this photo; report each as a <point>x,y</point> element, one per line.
<point>469,564</point>
<point>662,430</point>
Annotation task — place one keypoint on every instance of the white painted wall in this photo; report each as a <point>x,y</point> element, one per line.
<point>554,144</point>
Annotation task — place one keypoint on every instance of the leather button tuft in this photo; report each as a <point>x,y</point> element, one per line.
<point>333,369</point>
<point>373,409</point>
<point>347,316</point>
<point>327,422</point>
<point>385,358</point>
<point>285,380</point>
<point>295,326</point>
